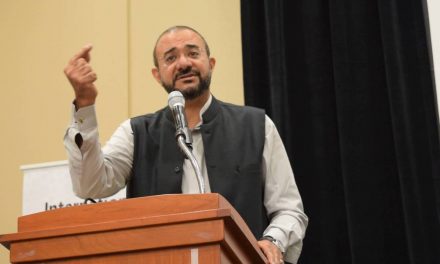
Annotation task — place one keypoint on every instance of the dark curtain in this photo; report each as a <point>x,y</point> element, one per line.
<point>349,84</point>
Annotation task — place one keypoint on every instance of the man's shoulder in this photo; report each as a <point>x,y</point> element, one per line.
<point>242,108</point>
<point>241,114</point>
<point>149,118</point>
<point>158,113</point>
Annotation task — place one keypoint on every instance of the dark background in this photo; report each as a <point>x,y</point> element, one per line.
<point>350,86</point>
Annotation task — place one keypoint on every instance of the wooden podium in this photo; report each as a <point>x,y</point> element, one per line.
<point>182,228</point>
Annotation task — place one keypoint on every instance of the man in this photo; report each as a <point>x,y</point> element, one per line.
<point>239,149</point>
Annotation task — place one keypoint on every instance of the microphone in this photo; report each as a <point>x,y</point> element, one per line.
<point>176,102</point>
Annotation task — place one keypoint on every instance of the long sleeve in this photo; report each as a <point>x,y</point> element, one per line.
<point>97,172</point>
<point>282,199</point>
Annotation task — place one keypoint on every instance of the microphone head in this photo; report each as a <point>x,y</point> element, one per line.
<point>175,98</point>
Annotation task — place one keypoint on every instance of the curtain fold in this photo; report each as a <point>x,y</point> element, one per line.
<point>349,85</point>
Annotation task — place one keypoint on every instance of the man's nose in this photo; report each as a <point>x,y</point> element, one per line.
<point>183,62</point>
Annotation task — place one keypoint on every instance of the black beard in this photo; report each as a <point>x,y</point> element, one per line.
<point>191,92</point>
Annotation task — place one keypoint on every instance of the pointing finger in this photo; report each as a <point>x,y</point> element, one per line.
<point>83,53</point>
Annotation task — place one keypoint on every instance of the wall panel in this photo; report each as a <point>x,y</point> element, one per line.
<point>39,37</point>
<point>218,21</point>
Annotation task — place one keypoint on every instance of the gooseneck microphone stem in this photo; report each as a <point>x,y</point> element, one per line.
<point>176,102</point>
<point>188,153</point>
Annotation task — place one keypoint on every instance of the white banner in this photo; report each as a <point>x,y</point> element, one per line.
<point>47,186</point>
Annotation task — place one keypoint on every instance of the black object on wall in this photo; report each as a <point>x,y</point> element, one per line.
<point>350,87</point>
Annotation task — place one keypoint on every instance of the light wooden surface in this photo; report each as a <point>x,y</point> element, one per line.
<point>148,226</point>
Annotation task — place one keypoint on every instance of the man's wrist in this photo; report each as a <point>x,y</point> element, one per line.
<point>274,241</point>
<point>81,103</point>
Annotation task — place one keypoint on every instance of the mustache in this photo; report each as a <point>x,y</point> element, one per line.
<point>186,71</point>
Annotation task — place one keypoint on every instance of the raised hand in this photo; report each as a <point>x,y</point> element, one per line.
<point>82,77</point>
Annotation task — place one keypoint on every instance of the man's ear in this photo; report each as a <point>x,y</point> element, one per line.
<point>212,63</point>
<point>156,74</point>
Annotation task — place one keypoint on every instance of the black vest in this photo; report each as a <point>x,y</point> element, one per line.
<point>233,139</point>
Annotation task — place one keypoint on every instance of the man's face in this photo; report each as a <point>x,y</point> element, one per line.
<point>183,63</point>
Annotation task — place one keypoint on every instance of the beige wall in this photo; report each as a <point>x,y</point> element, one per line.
<point>38,38</point>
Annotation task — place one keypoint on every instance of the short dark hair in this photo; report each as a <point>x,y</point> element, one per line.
<point>175,28</point>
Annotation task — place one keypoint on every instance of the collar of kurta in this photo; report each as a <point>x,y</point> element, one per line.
<point>209,111</point>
